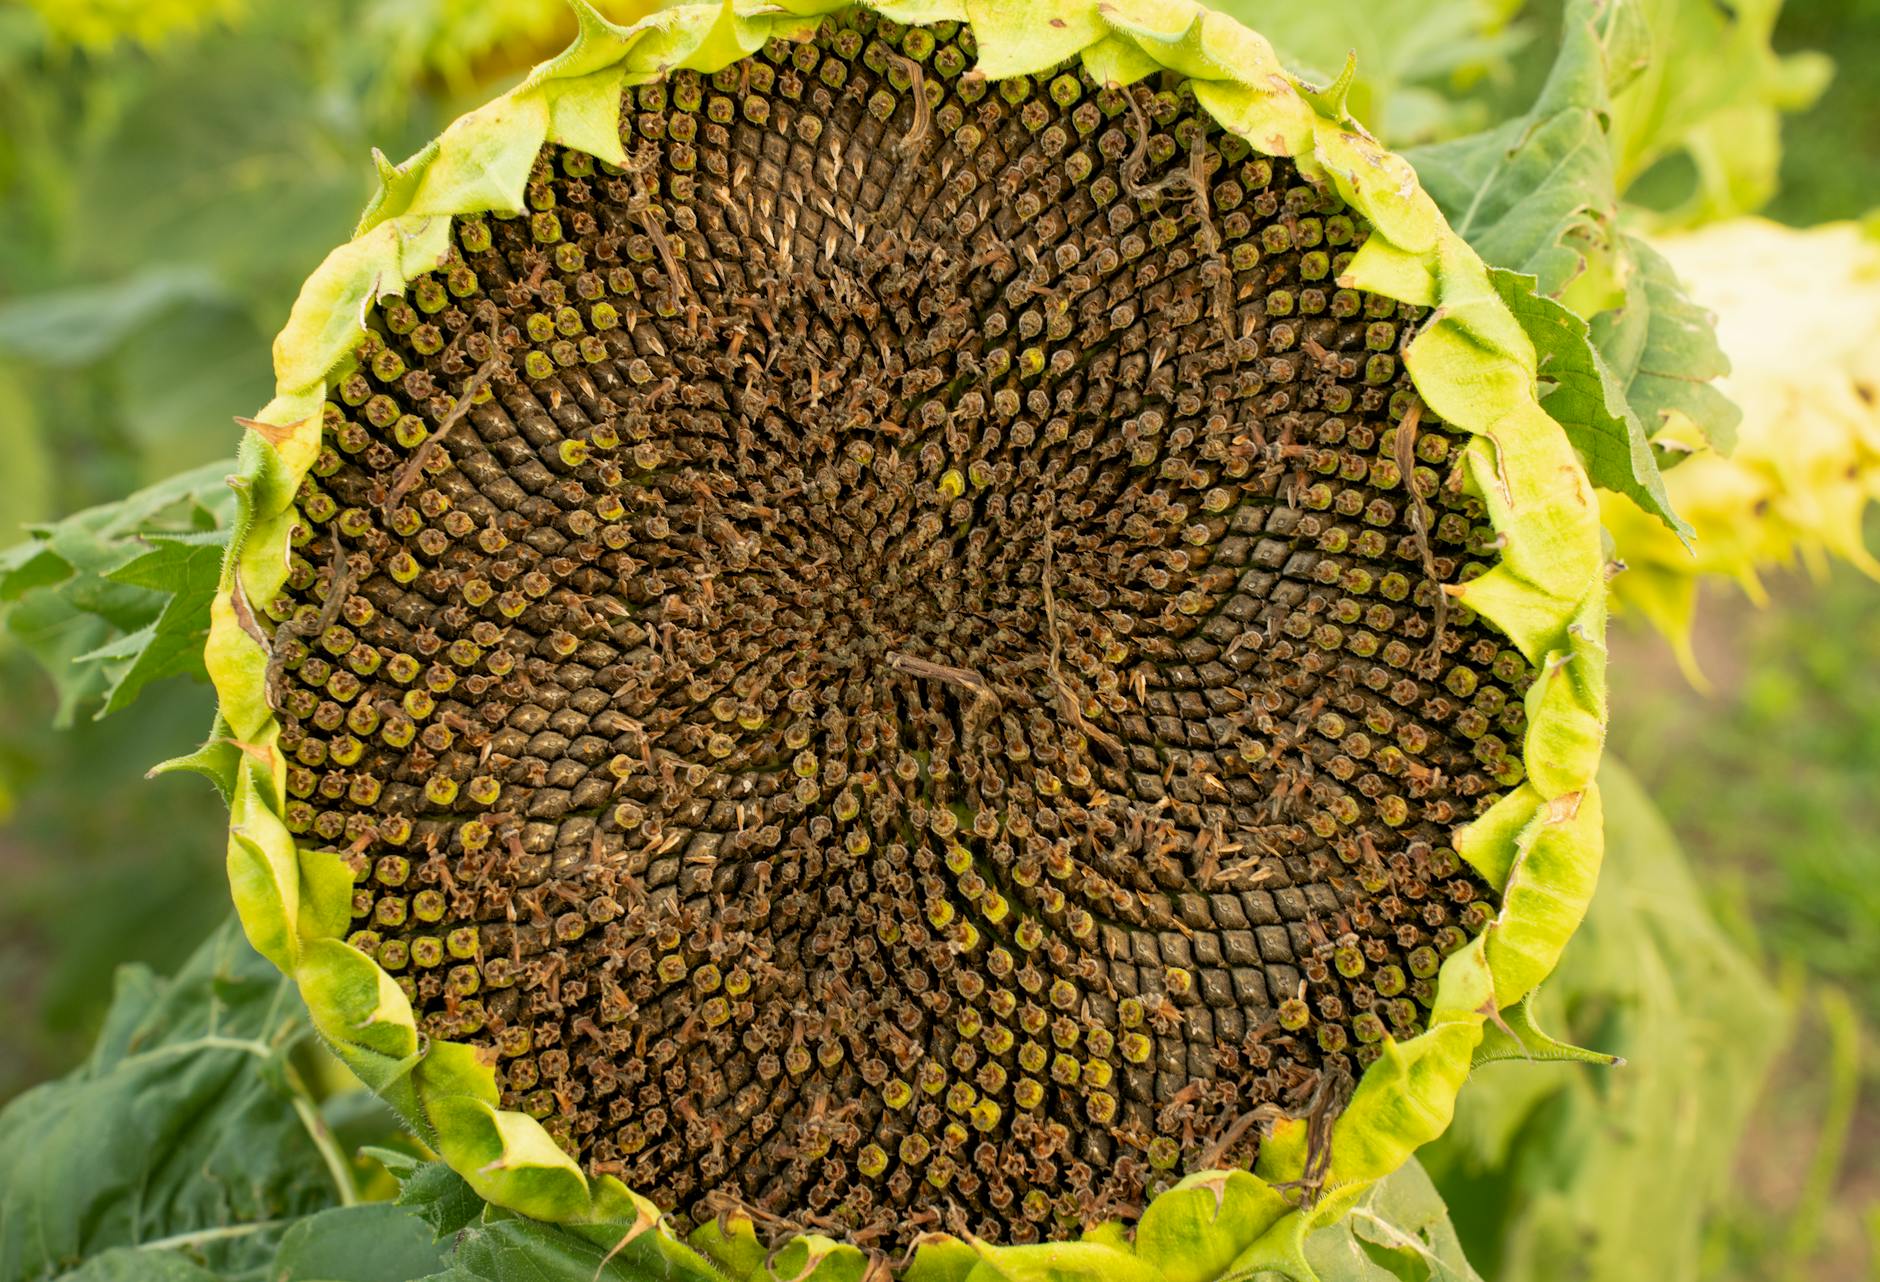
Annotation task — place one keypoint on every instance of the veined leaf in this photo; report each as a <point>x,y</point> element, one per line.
<point>377,1242</point>
<point>1588,399</point>
<point>492,1245</point>
<point>1664,349</point>
<point>433,1192</point>
<point>1537,193</point>
<point>114,597</point>
<point>439,1231</point>
<point>185,567</point>
<point>187,1125</point>
<point>1399,1231</point>
<point>512,1249</point>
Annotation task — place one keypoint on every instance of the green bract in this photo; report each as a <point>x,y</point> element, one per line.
<point>1470,365</point>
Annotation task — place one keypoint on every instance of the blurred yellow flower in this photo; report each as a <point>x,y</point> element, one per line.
<point>1798,312</point>
<point>99,25</point>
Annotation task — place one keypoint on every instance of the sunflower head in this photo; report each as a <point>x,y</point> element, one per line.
<point>912,632</point>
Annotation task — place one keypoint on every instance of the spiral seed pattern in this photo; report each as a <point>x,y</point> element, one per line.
<point>888,659</point>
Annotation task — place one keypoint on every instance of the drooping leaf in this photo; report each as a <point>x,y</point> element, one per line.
<point>1663,348</point>
<point>1537,197</point>
<point>187,1121</point>
<point>1587,399</point>
<point>114,597</point>
<point>1540,195</point>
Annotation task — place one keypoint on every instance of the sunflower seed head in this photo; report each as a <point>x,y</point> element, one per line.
<point>888,655</point>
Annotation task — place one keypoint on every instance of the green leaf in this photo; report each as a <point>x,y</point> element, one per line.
<point>187,568</point>
<point>440,1197</point>
<point>1536,193</point>
<point>1663,348</point>
<point>377,1242</point>
<point>186,1122</point>
<point>1587,400</point>
<point>115,597</point>
<point>1398,1230</point>
<point>506,1248</point>
<point>493,1245</point>
<point>132,1264</point>
<point>1539,195</point>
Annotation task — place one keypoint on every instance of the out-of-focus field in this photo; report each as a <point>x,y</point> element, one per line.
<point>169,193</point>
<point>1770,783</point>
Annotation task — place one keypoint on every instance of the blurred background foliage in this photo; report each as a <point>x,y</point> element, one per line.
<point>171,169</point>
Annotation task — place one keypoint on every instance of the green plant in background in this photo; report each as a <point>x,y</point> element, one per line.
<point>161,207</point>
<point>109,602</point>
<point>1799,311</point>
<point>471,44</point>
<point>1425,72</point>
<point>112,599</point>
<point>1537,1149</point>
<point>125,258</point>
<point>189,1112</point>
<point>1782,466</point>
<point>1831,156</point>
<point>99,26</point>
<point>1697,139</point>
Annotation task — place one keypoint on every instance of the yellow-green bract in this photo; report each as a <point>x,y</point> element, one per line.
<point>1471,362</point>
